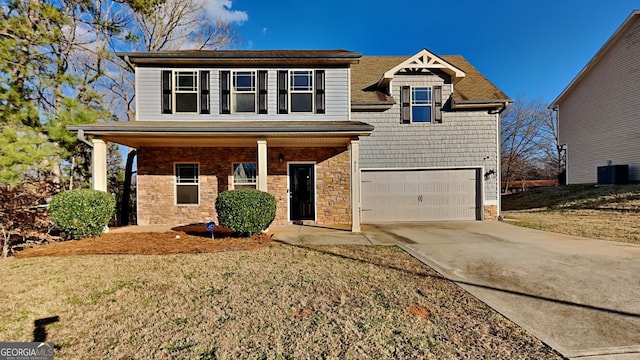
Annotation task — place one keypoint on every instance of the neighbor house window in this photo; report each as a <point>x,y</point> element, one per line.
<point>244,92</point>
<point>185,91</point>
<point>421,104</point>
<point>301,91</point>
<point>187,184</point>
<point>244,176</point>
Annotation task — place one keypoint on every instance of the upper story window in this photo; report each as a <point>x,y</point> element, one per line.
<point>185,97</point>
<point>301,91</point>
<point>244,92</point>
<point>421,104</point>
<point>185,91</point>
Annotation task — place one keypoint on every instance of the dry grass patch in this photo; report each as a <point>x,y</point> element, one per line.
<point>274,302</point>
<point>619,226</point>
<point>600,212</point>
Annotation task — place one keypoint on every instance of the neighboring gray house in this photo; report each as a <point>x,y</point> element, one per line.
<point>337,138</point>
<point>599,111</point>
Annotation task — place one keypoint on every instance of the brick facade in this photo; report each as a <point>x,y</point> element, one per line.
<point>156,181</point>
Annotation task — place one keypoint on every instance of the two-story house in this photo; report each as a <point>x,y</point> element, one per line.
<point>337,138</point>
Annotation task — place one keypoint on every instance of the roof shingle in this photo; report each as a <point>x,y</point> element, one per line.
<point>473,88</point>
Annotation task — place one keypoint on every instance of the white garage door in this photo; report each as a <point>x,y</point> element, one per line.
<point>420,195</point>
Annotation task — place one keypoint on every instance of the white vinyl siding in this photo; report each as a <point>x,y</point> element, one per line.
<point>149,105</point>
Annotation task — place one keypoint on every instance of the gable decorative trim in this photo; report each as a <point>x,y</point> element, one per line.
<point>421,62</point>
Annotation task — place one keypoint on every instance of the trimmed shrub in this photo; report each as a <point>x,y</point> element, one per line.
<point>82,213</point>
<point>246,211</point>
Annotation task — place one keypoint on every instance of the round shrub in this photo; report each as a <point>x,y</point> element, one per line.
<point>82,213</point>
<point>246,211</point>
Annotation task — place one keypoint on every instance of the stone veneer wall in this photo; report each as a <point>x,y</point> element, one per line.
<point>491,212</point>
<point>156,202</point>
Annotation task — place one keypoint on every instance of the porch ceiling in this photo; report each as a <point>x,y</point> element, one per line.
<point>226,133</point>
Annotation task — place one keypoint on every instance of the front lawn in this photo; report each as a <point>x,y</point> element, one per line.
<point>273,302</point>
<point>600,212</point>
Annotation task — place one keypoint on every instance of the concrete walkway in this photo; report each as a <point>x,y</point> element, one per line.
<point>578,295</point>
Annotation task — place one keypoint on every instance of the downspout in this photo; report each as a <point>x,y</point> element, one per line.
<point>83,139</point>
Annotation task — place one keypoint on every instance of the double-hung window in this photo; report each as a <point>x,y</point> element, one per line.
<point>187,184</point>
<point>301,91</point>
<point>244,176</point>
<point>185,91</point>
<point>244,92</point>
<point>421,104</point>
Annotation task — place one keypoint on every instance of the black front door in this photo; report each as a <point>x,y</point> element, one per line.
<point>301,192</point>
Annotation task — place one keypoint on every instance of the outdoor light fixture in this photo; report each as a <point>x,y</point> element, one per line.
<point>281,158</point>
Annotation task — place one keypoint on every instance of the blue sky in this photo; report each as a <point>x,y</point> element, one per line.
<point>528,48</point>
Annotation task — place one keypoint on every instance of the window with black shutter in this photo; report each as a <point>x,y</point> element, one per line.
<point>319,91</point>
<point>283,95</point>
<point>225,92</point>
<point>262,92</point>
<point>167,92</point>
<point>204,92</point>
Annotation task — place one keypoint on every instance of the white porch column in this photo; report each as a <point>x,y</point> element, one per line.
<point>262,165</point>
<point>99,165</point>
<point>355,185</point>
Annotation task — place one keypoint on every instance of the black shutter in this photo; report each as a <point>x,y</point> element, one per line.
<point>283,97</point>
<point>166,91</point>
<point>437,104</point>
<point>225,93</point>
<point>262,92</point>
<point>405,104</point>
<point>204,92</point>
<point>319,90</point>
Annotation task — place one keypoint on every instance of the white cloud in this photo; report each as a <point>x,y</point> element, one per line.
<point>221,10</point>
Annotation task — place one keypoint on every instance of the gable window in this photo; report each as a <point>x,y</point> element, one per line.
<point>187,184</point>
<point>185,91</point>
<point>301,91</point>
<point>244,176</point>
<point>421,104</point>
<point>244,92</point>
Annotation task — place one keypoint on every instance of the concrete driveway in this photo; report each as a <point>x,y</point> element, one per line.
<point>580,296</point>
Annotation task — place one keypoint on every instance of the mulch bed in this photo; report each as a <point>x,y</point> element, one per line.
<point>171,242</point>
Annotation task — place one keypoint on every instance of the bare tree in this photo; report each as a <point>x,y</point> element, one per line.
<point>521,134</point>
<point>554,151</point>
